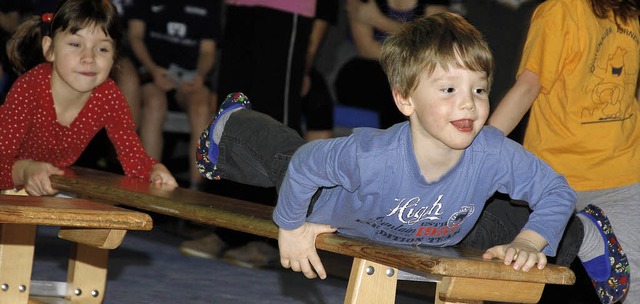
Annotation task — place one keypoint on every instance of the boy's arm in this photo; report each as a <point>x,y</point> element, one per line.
<point>524,251</point>
<point>516,102</point>
<point>523,176</point>
<point>298,250</point>
<point>322,163</point>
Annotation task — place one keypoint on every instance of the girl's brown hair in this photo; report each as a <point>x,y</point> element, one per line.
<point>624,10</point>
<point>24,49</point>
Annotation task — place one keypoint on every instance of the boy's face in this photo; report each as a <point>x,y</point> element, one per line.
<point>448,108</point>
<point>82,60</point>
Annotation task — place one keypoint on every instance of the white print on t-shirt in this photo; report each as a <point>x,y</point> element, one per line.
<point>408,214</point>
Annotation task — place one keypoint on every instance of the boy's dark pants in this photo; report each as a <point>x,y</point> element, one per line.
<point>255,149</point>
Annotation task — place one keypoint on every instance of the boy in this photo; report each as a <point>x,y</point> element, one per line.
<point>421,182</point>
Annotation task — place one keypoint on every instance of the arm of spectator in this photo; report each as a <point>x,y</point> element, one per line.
<point>434,9</point>
<point>206,57</point>
<point>516,102</point>
<point>136,34</point>
<point>206,61</point>
<point>363,33</point>
<point>369,13</point>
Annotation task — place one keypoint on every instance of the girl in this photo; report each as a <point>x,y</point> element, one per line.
<point>54,109</point>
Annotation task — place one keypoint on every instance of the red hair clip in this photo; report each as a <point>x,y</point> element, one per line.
<point>47,17</point>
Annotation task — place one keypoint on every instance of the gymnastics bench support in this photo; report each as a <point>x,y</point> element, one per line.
<point>461,275</point>
<point>370,282</point>
<point>94,228</point>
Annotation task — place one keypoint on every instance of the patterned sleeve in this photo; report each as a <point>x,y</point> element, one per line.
<point>121,131</point>
<point>13,127</point>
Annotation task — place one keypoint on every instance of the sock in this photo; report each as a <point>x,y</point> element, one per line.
<point>592,251</point>
<point>219,125</point>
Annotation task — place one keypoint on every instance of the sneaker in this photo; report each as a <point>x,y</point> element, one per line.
<point>207,247</point>
<point>207,149</point>
<point>252,255</point>
<point>609,273</point>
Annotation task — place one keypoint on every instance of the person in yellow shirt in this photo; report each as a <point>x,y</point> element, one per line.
<point>578,76</point>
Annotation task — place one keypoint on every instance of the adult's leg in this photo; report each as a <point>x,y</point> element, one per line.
<point>198,106</point>
<point>128,81</point>
<point>154,111</point>
<point>317,107</point>
<point>263,56</point>
<point>255,149</point>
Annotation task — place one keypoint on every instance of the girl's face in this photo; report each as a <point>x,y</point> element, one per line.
<point>81,61</point>
<point>448,108</point>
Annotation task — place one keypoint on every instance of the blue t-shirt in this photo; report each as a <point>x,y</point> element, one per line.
<point>373,188</point>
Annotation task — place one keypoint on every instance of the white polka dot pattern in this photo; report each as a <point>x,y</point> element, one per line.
<point>29,128</point>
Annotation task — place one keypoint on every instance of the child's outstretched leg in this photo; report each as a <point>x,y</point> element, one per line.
<point>602,256</point>
<point>245,146</point>
<point>207,148</point>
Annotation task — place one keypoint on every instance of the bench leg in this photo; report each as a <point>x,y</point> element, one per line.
<point>371,283</point>
<point>87,274</point>
<point>16,261</point>
<point>468,290</point>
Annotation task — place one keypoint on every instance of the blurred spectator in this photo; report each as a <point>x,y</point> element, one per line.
<point>263,54</point>
<point>124,71</point>
<point>317,101</point>
<point>174,43</point>
<point>11,12</point>
<point>361,81</point>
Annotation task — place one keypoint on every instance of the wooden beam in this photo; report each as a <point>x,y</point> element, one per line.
<point>255,219</point>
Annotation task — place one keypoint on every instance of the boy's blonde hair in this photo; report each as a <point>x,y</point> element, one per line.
<point>445,40</point>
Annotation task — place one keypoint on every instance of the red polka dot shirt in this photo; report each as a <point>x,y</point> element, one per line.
<point>29,128</point>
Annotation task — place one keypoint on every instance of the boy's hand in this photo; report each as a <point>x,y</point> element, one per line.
<point>523,251</point>
<point>34,176</point>
<point>298,250</point>
<point>161,175</point>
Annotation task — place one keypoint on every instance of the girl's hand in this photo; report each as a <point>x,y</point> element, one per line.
<point>34,176</point>
<point>298,249</point>
<point>161,175</point>
<point>523,254</point>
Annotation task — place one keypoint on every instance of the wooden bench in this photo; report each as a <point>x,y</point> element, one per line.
<point>460,274</point>
<point>94,228</point>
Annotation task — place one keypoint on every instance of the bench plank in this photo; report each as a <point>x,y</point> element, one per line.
<point>255,219</point>
<point>69,212</point>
